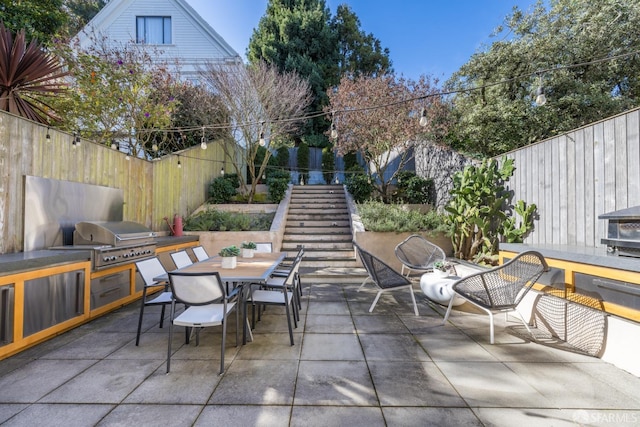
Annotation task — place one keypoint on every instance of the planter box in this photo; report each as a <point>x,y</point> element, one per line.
<point>229,262</point>
<point>247,253</point>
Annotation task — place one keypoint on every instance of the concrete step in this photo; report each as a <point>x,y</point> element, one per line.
<point>310,240</point>
<point>315,253</point>
<point>309,212</point>
<point>293,245</point>
<point>318,205</point>
<point>318,217</point>
<point>337,224</point>
<point>317,230</point>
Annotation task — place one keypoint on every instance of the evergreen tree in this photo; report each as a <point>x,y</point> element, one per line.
<point>301,36</point>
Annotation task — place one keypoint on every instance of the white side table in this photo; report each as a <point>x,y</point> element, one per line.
<point>438,288</point>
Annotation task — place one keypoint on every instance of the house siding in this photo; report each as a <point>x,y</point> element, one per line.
<point>194,42</point>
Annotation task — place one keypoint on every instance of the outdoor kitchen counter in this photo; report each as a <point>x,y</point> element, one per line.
<point>163,241</point>
<point>35,260</point>
<point>583,255</point>
<point>612,282</point>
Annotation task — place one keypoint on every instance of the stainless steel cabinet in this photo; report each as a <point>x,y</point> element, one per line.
<point>52,299</point>
<point>6,314</point>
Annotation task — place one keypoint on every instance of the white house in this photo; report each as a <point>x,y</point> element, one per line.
<point>171,27</point>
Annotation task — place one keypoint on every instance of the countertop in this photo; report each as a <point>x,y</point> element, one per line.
<point>34,260</point>
<point>580,254</point>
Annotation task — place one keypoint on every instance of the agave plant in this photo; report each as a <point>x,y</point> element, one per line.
<point>28,75</point>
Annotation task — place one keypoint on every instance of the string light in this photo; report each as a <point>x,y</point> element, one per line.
<point>262,142</point>
<point>114,146</point>
<point>179,164</point>
<point>334,131</point>
<point>73,140</point>
<point>222,172</point>
<point>541,99</point>
<point>47,136</point>
<point>423,117</point>
<point>77,136</point>
<point>154,147</point>
<point>203,142</point>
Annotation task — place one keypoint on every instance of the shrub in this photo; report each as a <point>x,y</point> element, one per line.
<point>415,189</point>
<point>303,161</point>
<point>277,188</point>
<point>328,164</point>
<point>358,184</point>
<point>223,188</point>
<point>215,220</point>
<point>378,216</point>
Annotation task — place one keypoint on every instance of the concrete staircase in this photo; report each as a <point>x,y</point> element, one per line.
<point>319,220</point>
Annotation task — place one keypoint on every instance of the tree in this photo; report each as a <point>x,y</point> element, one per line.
<point>29,77</point>
<point>40,19</point>
<point>112,97</point>
<point>501,114</point>
<point>264,106</point>
<point>301,36</point>
<point>81,12</point>
<point>359,53</point>
<point>386,129</point>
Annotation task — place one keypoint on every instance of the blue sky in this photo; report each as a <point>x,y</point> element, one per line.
<point>432,37</point>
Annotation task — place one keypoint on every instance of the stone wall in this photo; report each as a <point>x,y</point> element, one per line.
<point>440,163</point>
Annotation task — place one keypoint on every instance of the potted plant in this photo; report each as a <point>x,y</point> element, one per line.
<point>247,249</point>
<point>442,268</point>
<point>229,256</point>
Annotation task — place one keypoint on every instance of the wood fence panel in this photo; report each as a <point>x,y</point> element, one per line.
<point>152,189</point>
<point>575,177</point>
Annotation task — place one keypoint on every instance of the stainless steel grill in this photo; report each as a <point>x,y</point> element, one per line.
<point>113,242</point>
<point>623,232</point>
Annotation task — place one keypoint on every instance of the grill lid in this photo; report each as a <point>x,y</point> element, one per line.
<point>629,213</point>
<point>116,233</point>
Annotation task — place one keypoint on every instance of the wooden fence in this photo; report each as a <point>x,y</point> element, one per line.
<point>575,177</point>
<point>152,189</point>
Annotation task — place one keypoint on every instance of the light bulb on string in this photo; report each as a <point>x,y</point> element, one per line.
<point>222,172</point>
<point>203,141</point>
<point>154,147</point>
<point>114,146</point>
<point>47,136</point>
<point>73,141</point>
<point>77,139</point>
<point>262,141</point>
<point>541,99</point>
<point>128,156</point>
<point>423,118</point>
<point>179,163</point>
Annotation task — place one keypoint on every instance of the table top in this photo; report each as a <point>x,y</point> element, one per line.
<point>431,278</point>
<point>255,269</point>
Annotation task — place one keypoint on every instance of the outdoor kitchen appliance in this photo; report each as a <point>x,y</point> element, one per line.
<point>112,242</point>
<point>623,232</point>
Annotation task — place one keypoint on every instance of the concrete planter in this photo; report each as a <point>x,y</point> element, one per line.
<point>229,262</point>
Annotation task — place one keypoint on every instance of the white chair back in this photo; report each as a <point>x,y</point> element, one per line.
<point>200,253</point>
<point>181,259</point>
<point>150,268</point>
<point>197,288</point>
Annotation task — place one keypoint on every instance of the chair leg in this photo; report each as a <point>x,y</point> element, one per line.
<point>224,338</point>
<point>413,298</point>
<point>375,301</point>
<point>490,326</point>
<point>289,323</point>
<point>446,315</point>
<point>170,338</point>
<point>363,283</point>
<point>524,322</point>
<point>140,318</point>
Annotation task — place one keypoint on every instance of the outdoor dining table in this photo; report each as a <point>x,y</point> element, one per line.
<point>248,270</point>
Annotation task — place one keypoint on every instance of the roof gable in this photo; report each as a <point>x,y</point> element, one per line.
<point>117,20</point>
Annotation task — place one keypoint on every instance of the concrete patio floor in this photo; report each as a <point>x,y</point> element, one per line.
<point>348,368</point>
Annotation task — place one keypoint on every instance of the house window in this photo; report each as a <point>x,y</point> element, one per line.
<point>153,29</point>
